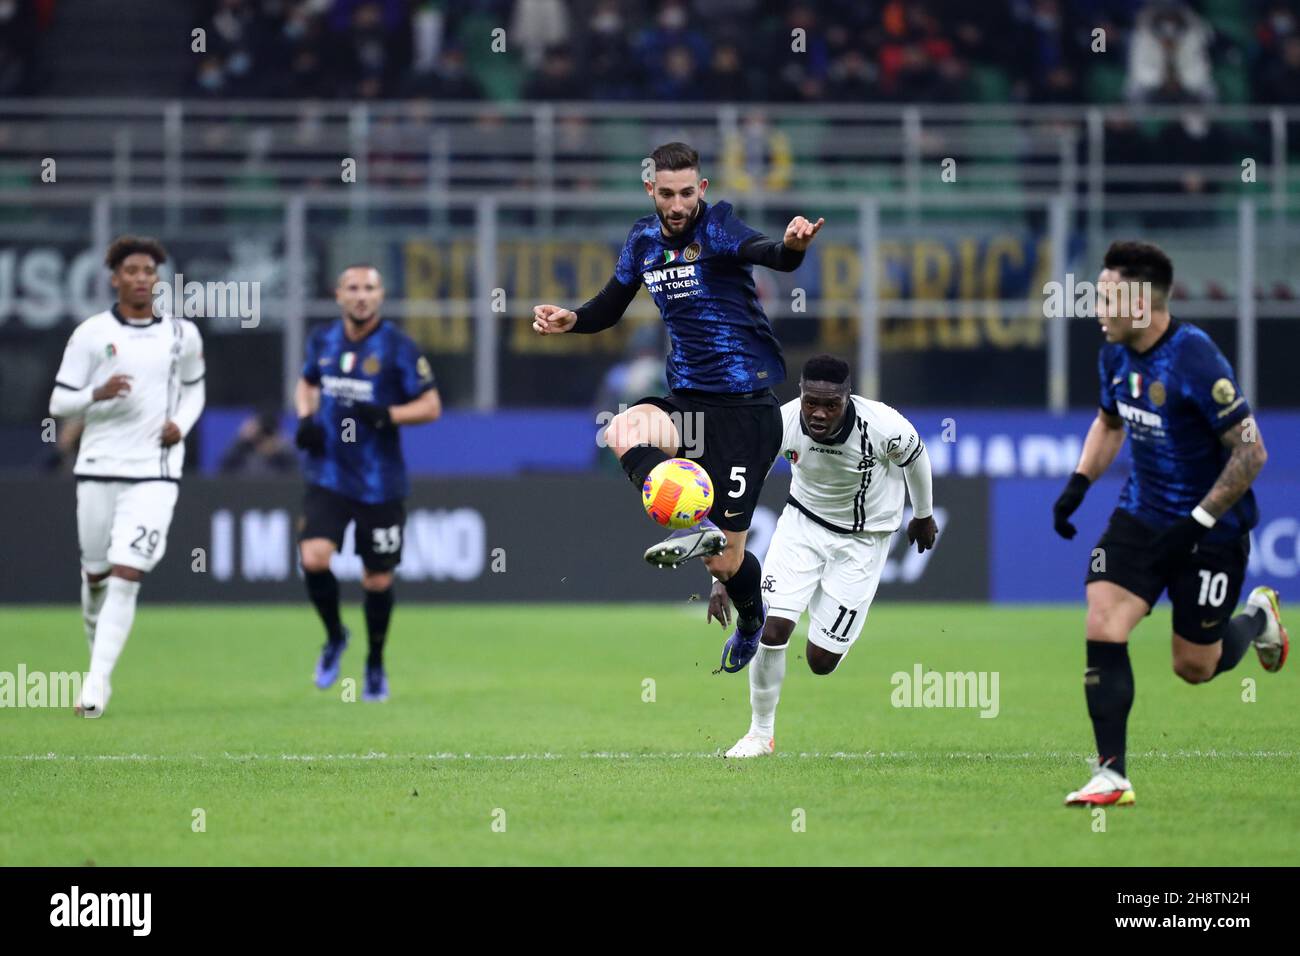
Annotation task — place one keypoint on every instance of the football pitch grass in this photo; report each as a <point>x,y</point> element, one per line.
<point>530,735</point>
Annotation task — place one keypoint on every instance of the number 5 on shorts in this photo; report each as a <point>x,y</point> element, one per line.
<point>738,476</point>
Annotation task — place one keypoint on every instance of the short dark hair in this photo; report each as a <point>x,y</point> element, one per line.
<point>1142,262</point>
<point>360,265</point>
<point>826,368</point>
<point>124,246</point>
<point>673,156</point>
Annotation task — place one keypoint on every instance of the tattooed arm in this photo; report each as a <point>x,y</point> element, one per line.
<point>1247,458</point>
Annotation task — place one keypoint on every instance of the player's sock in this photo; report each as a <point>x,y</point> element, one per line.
<point>379,609</point>
<point>114,626</point>
<point>1242,630</point>
<point>323,589</point>
<point>766,672</point>
<point>92,601</point>
<point>745,590</point>
<point>1108,685</point>
<point>639,460</point>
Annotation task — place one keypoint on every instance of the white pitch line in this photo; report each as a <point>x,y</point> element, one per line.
<point>617,755</point>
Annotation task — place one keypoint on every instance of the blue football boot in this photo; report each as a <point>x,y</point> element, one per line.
<point>741,647</point>
<point>331,661</point>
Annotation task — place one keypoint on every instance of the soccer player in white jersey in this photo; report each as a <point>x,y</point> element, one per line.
<point>851,459</point>
<point>136,379</point>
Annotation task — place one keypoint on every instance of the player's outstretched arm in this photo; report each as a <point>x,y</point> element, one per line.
<point>1103,442</point>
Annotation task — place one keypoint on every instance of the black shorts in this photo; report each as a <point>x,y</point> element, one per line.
<point>378,540</point>
<point>1203,588</point>
<point>737,445</point>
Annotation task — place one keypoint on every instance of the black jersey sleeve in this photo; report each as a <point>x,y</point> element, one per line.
<point>605,308</point>
<point>772,253</point>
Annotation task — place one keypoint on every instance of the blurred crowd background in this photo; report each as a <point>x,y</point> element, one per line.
<point>1026,51</point>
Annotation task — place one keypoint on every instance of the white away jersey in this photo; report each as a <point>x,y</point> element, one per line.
<point>123,436</point>
<point>854,480</point>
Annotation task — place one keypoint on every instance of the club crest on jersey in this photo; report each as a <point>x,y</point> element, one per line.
<point>347,362</point>
<point>371,365</point>
<point>791,456</point>
<point>691,252</point>
<point>110,350</point>
<point>1157,393</point>
<point>1135,384</point>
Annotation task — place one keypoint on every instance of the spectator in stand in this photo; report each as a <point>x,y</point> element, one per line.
<point>1277,69</point>
<point>670,32</point>
<point>607,59</point>
<point>259,449</point>
<point>1169,56</point>
<point>558,78</point>
<point>18,30</point>
<point>538,26</point>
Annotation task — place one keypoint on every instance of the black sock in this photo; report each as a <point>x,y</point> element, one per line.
<point>323,589</point>
<point>1242,629</point>
<point>745,590</point>
<point>639,460</point>
<point>1108,685</point>
<point>379,608</point>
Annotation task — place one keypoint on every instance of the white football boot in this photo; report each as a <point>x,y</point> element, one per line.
<point>1273,643</point>
<point>702,541</point>
<point>93,699</point>
<point>753,745</point>
<point>1106,788</point>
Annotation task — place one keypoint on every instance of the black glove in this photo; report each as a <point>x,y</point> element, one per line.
<point>1068,503</point>
<point>1177,541</point>
<point>311,435</point>
<point>376,416</point>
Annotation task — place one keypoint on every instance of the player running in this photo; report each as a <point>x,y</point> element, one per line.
<point>697,261</point>
<point>362,378</point>
<point>850,458</point>
<point>137,380</point>
<point>1184,515</point>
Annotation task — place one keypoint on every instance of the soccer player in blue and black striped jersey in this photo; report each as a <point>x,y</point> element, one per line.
<point>1184,516</point>
<point>696,260</point>
<point>362,378</point>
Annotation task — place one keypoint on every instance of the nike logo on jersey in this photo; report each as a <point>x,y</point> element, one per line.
<point>732,514</point>
<point>1206,625</point>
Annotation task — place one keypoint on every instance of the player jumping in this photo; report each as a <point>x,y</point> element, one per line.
<point>850,458</point>
<point>697,262</point>
<point>361,379</point>
<point>1184,515</point>
<point>137,380</point>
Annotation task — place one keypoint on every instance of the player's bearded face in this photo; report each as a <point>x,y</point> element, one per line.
<point>677,194</point>
<point>360,294</point>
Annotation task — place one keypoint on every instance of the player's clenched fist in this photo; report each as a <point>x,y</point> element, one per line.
<point>552,319</point>
<point>800,232</point>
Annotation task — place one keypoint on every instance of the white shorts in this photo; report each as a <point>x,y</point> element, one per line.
<point>832,576</point>
<point>124,522</point>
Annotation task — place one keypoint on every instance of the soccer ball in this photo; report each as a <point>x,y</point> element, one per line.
<point>678,493</point>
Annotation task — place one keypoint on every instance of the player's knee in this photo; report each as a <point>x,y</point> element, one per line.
<point>127,574</point>
<point>1105,628</point>
<point>315,556</point>
<point>1193,671</point>
<point>820,661</point>
<point>724,566</point>
<point>777,631</point>
<point>376,580</point>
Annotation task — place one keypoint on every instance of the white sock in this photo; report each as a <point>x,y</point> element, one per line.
<point>766,672</point>
<point>92,600</point>
<point>115,619</point>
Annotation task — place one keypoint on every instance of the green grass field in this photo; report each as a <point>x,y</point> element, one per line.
<point>538,712</point>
